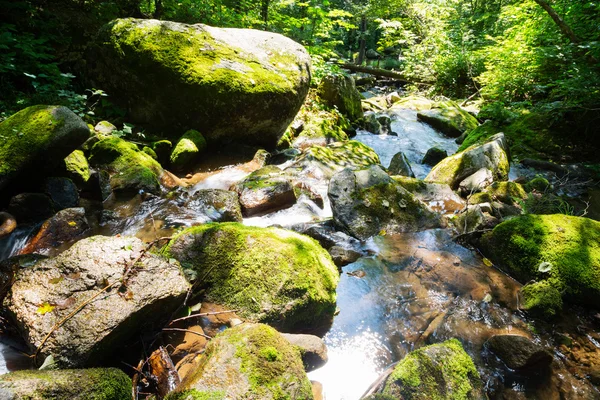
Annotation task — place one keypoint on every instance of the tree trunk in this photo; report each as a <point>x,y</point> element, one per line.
<point>564,28</point>
<point>158,9</point>
<point>264,13</point>
<point>363,40</point>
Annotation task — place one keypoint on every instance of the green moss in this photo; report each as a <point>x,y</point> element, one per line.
<point>479,135</point>
<point>338,156</point>
<point>194,394</point>
<point>93,384</point>
<point>436,372</point>
<point>187,149</point>
<point>150,152</point>
<point>505,192</point>
<point>271,275</point>
<point>542,298</point>
<point>455,117</point>
<point>131,169</point>
<point>570,244</point>
<point>539,184</point>
<point>77,166</point>
<point>413,185</point>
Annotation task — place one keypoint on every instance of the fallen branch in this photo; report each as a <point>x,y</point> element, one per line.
<point>188,331</point>
<point>206,314</point>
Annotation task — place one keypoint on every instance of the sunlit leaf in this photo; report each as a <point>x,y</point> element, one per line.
<point>45,308</point>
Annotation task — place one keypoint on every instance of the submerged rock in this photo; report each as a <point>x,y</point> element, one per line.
<point>560,253</point>
<point>249,361</point>
<point>492,155</point>
<point>439,371</point>
<point>340,91</point>
<point>53,288</point>
<point>38,135</point>
<point>448,118</point>
<point>265,190</point>
<point>269,275</point>
<point>75,384</point>
<point>233,85</point>
<point>519,352</point>
<point>367,202</point>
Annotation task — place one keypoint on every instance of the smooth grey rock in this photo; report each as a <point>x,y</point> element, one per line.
<point>476,182</point>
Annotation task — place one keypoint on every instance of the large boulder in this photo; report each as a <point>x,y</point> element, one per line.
<point>340,91</point>
<point>75,384</point>
<point>448,118</point>
<point>558,255</point>
<point>269,275</point>
<point>138,289</point>
<point>233,85</point>
<point>492,155</point>
<point>249,361</point>
<point>366,202</point>
<point>441,371</point>
<point>38,135</point>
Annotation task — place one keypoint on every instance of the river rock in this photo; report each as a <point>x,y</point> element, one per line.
<point>38,135</point>
<point>439,197</point>
<point>11,266</point>
<point>312,348</point>
<point>519,352</point>
<point>104,128</point>
<point>315,125</point>
<point>400,166</point>
<point>492,155</point>
<point>343,256</point>
<point>65,226</point>
<point>340,91</point>
<point>265,190</point>
<point>31,207</point>
<point>434,155</point>
<point>77,167</point>
<point>366,202</point>
<point>249,361</point>
<point>448,118</point>
<point>439,371</point>
<point>131,170</point>
<point>476,182</point>
<point>233,85</point>
<point>45,293</point>
<point>223,205</point>
<point>559,253</point>
<point>269,275</point>
<point>8,224</point>
<point>75,384</point>
<point>508,193</point>
<point>187,149</point>
<point>62,192</point>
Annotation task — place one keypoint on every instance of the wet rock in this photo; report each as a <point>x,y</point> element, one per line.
<point>35,136</point>
<point>438,197</point>
<point>416,103</point>
<point>131,170</point>
<point>62,191</point>
<point>8,223</point>
<point>519,352</point>
<point>368,201</point>
<point>508,193</point>
<point>326,234</point>
<point>270,275</point>
<point>53,288</point>
<point>104,128</point>
<point>491,155</point>
<point>233,85</point>
<point>312,348</point>
<point>162,149</point>
<point>31,207</point>
<point>386,124</point>
<point>77,167</point>
<point>476,182</point>
<point>434,155</point>
<point>372,123</point>
<point>76,384</point>
<point>222,204</point>
<point>99,187</point>
<point>264,191</point>
<point>340,91</point>
<point>187,149</point>
<point>65,226</point>
<point>439,371</point>
<point>400,166</point>
<point>342,256</point>
<point>250,361</point>
<point>448,118</point>
<point>559,252</point>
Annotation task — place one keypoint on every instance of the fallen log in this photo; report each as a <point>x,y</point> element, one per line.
<point>379,72</point>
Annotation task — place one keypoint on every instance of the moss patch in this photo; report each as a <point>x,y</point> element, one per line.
<point>449,118</point>
<point>335,157</point>
<point>77,166</point>
<point>571,246</point>
<point>187,149</point>
<point>436,372</point>
<point>194,394</point>
<point>271,275</point>
<point>505,192</point>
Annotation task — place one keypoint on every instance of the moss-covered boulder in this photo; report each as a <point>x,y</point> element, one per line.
<point>558,255</point>
<point>340,91</point>
<point>75,384</point>
<point>442,371</point>
<point>77,167</point>
<point>38,135</point>
<point>505,192</point>
<point>492,155</point>
<point>265,190</point>
<point>270,275</point>
<point>366,202</point>
<point>448,118</point>
<point>187,149</point>
<point>233,85</point>
<point>131,170</point>
<point>249,361</point>
<point>141,290</point>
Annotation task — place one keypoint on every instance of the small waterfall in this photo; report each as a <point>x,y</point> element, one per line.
<point>13,243</point>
